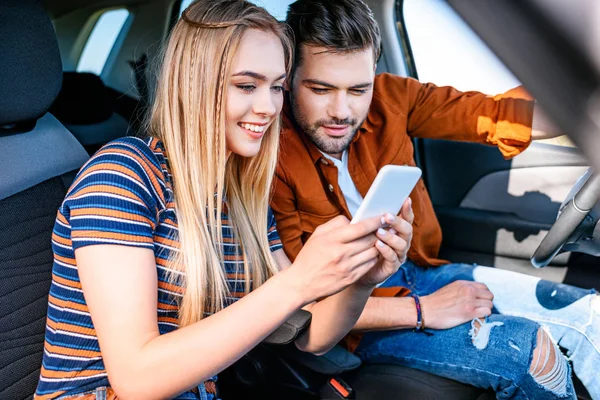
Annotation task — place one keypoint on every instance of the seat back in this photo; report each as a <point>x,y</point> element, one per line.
<point>38,159</point>
<point>86,107</point>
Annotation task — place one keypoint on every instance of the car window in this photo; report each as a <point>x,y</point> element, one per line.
<point>447,51</point>
<point>277,8</point>
<point>101,41</point>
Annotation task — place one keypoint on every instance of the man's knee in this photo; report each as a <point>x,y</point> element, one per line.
<point>549,367</point>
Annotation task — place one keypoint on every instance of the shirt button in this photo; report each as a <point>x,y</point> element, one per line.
<point>324,161</point>
<point>331,188</point>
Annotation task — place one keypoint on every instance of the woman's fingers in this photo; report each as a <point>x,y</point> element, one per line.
<point>387,252</point>
<point>398,244</point>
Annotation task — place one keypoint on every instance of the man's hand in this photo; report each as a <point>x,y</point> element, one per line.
<point>455,304</point>
<point>393,245</point>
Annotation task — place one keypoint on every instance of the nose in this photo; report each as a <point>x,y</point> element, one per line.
<point>264,103</point>
<point>339,106</point>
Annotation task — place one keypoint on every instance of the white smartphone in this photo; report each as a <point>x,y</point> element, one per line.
<point>388,192</point>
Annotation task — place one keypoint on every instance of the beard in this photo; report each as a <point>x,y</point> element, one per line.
<point>324,142</point>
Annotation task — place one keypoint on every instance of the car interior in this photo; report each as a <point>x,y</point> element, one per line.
<point>56,112</point>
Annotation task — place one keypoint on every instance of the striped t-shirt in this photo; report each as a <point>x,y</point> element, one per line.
<point>123,196</point>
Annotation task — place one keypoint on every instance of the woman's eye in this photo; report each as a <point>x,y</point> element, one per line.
<point>247,88</point>
<point>277,89</point>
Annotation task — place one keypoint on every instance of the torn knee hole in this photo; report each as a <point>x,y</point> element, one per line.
<point>480,332</point>
<point>548,366</point>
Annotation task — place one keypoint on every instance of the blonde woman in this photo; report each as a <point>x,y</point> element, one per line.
<point>167,258</point>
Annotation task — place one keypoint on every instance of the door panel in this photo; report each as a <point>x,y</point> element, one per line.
<point>495,211</point>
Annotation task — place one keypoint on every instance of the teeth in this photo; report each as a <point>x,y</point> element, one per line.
<point>253,128</point>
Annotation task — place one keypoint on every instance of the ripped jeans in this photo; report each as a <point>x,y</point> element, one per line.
<point>499,353</point>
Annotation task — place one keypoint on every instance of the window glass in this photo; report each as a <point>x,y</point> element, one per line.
<point>277,8</point>
<point>101,41</point>
<point>448,52</point>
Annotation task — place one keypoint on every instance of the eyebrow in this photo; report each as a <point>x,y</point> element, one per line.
<point>258,76</point>
<point>365,85</point>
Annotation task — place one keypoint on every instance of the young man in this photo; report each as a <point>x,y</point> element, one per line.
<point>344,124</point>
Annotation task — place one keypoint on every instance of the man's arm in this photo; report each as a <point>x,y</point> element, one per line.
<point>452,305</point>
<point>447,113</point>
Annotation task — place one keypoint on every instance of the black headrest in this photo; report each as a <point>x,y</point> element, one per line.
<point>30,65</point>
<point>82,100</point>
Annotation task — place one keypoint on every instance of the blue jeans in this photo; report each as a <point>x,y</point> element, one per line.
<point>502,362</point>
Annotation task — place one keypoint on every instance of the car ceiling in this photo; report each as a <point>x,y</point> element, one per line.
<point>57,9</point>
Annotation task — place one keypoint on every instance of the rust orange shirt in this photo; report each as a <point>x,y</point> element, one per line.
<point>306,193</point>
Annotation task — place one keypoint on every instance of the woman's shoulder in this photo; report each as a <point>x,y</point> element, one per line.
<point>130,163</point>
<point>145,156</point>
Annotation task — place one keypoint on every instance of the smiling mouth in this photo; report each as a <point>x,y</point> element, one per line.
<point>253,130</point>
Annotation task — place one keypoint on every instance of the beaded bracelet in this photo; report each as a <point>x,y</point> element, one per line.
<point>420,326</point>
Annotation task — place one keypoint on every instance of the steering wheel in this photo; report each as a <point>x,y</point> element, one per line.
<point>574,219</point>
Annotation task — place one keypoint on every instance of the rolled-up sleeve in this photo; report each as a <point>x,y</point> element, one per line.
<point>447,113</point>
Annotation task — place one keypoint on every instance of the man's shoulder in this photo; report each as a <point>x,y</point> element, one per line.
<point>389,88</point>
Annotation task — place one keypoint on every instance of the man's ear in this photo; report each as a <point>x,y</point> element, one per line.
<point>375,68</point>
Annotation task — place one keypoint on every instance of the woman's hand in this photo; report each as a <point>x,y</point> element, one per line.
<point>393,245</point>
<point>336,256</point>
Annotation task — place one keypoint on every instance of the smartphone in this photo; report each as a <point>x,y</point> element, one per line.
<point>388,192</point>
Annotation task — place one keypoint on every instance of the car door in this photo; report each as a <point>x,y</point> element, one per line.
<point>492,211</point>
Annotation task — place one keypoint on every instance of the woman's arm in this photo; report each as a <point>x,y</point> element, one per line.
<point>333,317</point>
<point>120,288</point>
<point>336,315</point>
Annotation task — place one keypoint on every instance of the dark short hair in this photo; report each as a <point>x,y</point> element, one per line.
<point>343,26</point>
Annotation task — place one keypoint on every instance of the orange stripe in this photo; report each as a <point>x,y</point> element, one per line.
<point>233,258</point>
<point>107,166</point>
<point>63,326</point>
<point>170,287</point>
<point>167,307</point>
<point>47,373</point>
<point>167,242</point>
<point>238,276</point>
<point>62,218</point>
<point>67,304</point>
<point>168,320</point>
<point>70,261</point>
<point>49,396</point>
<point>66,351</point>
<point>150,169</point>
<point>62,240</point>
<point>108,189</point>
<point>105,212</point>
<point>110,235</point>
<point>66,282</point>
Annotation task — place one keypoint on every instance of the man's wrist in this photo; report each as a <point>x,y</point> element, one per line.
<point>420,323</point>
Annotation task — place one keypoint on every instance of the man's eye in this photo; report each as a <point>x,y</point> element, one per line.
<point>358,92</point>
<point>319,90</point>
<point>247,88</point>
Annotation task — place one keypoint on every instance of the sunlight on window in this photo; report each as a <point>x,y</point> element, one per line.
<point>448,52</point>
<point>101,41</point>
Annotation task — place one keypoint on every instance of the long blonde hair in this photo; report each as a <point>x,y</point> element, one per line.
<point>188,116</point>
